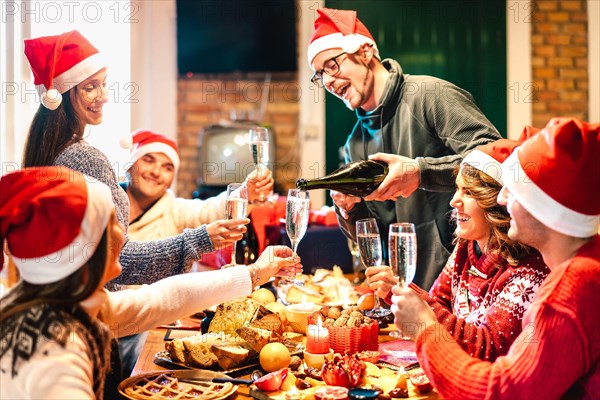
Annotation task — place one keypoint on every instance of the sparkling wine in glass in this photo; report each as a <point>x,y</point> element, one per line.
<point>259,146</point>
<point>402,243</point>
<point>296,219</point>
<point>371,253</point>
<point>237,206</point>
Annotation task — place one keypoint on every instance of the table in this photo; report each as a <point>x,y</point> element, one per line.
<point>155,343</point>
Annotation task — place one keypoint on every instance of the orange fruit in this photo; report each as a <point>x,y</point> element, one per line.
<point>366,301</point>
<point>274,356</point>
<point>263,295</point>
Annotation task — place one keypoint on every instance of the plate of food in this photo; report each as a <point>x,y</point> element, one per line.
<point>230,357</point>
<point>177,384</point>
<point>236,335</point>
<point>324,287</point>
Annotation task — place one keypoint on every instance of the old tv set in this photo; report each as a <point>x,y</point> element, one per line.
<point>225,156</point>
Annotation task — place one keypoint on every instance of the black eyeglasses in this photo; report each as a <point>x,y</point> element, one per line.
<point>331,67</point>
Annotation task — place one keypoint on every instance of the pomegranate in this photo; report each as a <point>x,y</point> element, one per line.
<point>346,371</point>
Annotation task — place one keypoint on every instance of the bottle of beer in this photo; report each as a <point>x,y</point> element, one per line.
<point>358,178</point>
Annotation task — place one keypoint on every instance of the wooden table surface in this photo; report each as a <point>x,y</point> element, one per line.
<point>155,342</point>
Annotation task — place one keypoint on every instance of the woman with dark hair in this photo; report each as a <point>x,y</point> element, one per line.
<point>71,79</point>
<point>56,325</point>
<point>489,280</point>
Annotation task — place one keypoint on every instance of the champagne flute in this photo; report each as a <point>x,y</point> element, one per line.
<point>403,256</point>
<point>296,220</point>
<point>357,266</point>
<point>371,251</point>
<point>259,146</point>
<point>237,206</point>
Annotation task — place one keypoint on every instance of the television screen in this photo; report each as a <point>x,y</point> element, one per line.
<point>225,155</point>
<point>224,36</point>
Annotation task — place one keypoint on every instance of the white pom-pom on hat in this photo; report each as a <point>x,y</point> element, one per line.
<point>51,99</point>
<point>126,141</point>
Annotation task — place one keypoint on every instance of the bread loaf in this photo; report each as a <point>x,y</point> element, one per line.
<point>271,322</point>
<point>230,355</point>
<point>176,350</point>
<point>257,338</point>
<point>233,314</point>
<point>198,350</point>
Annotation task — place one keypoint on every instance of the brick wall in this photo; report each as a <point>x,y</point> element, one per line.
<point>207,100</point>
<point>559,59</point>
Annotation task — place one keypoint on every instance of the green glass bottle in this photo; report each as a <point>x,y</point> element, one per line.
<point>358,178</point>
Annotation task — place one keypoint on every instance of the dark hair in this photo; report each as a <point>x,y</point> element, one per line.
<point>71,290</point>
<point>485,189</point>
<point>51,131</point>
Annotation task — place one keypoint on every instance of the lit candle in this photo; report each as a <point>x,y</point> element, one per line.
<point>303,307</point>
<point>317,338</point>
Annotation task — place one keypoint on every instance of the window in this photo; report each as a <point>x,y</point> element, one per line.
<point>107,25</point>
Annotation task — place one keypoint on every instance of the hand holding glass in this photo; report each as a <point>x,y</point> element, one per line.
<point>259,146</point>
<point>237,206</point>
<point>369,247</point>
<point>296,218</point>
<point>403,255</point>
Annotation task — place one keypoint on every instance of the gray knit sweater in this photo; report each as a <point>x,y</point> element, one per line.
<point>143,262</point>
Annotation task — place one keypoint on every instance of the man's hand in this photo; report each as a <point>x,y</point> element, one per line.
<point>344,202</point>
<point>402,180</point>
<point>411,314</point>
<point>260,184</point>
<point>278,260</point>
<point>381,280</point>
<point>224,232</point>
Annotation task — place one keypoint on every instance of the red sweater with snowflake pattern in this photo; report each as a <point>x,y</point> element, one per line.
<point>481,300</point>
<point>556,356</point>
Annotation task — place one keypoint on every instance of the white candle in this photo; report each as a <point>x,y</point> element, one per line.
<point>304,307</point>
<point>317,338</point>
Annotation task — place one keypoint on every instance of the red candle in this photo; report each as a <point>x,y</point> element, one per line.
<point>317,338</point>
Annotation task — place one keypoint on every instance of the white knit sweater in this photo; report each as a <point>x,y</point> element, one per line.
<point>54,372</point>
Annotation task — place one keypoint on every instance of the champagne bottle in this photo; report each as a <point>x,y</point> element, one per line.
<point>358,178</point>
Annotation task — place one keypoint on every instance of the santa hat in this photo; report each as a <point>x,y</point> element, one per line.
<point>59,63</point>
<point>143,141</point>
<point>52,219</point>
<point>555,176</point>
<point>339,29</point>
<point>488,158</point>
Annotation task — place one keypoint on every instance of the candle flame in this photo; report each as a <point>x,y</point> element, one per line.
<point>319,322</point>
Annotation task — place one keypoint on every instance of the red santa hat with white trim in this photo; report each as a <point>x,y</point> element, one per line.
<point>59,63</point>
<point>52,219</point>
<point>555,176</point>
<point>143,141</point>
<point>339,29</point>
<point>488,158</point>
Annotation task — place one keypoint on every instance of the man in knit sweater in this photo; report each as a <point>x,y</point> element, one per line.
<point>424,125</point>
<point>551,190</point>
<point>154,211</point>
